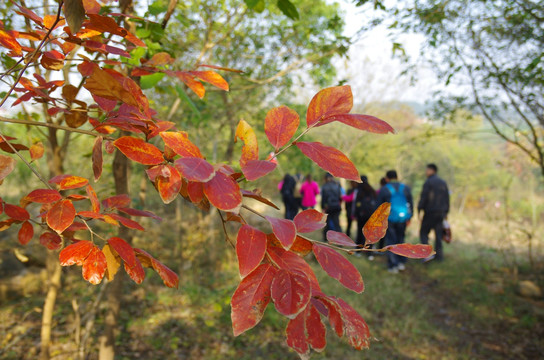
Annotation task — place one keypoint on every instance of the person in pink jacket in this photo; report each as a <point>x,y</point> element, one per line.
<point>309,190</point>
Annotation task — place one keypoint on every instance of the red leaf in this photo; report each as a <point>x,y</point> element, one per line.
<point>355,327</point>
<point>330,101</point>
<point>169,277</point>
<point>61,215</point>
<point>104,84</point>
<point>301,246</point>
<point>136,212</point>
<point>315,329</point>
<point>72,182</point>
<point>180,143</point>
<point>50,240</point>
<point>296,335</point>
<point>42,196</point>
<point>310,220</point>
<point>330,159</point>
<point>339,268</point>
<point>414,251</point>
<point>332,312</point>
<point>127,222</point>
<point>52,60</point>
<point>290,291</point>
<point>170,186</point>
<point>284,230</point>
<point>250,249</point>
<point>138,150</point>
<point>75,253</point>
<point>251,298</point>
<point>195,190</point>
<point>362,122</point>
<point>159,59</point>
<point>116,201</point>
<point>195,169</point>
<point>29,14</point>
<point>36,151</point>
<point>133,267</point>
<point>223,192</point>
<point>255,169</point>
<point>211,77</point>
<point>26,232</point>
<point>338,238</point>
<point>95,203</point>
<point>9,42</point>
<point>257,196</point>
<point>16,213</point>
<point>94,266</point>
<point>7,165</point>
<point>280,124</point>
<point>292,262</point>
<point>97,158</point>
<point>376,227</point>
<point>250,150</point>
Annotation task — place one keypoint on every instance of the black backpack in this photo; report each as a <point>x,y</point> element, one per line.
<point>365,205</point>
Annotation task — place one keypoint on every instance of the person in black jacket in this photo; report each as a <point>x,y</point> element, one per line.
<point>435,203</point>
<point>331,200</point>
<point>287,190</point>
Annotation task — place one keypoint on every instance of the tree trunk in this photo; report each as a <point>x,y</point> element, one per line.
<point>231,122</point>
<point>53,268</point>
<point>114,291</point>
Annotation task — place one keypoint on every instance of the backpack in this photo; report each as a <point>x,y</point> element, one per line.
<point>332,193</point>
<point>364,206</point>
<point>400,211</point>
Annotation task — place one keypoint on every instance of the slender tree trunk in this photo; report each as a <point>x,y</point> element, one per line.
<point>114,291</point>
<point>53,268</point>
<point>232,126</point>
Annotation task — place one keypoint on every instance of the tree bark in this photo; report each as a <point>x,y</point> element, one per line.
<point>53,268</point>
<point>114,291</point>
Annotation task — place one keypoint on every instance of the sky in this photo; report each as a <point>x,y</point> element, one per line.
<point>371,69</point>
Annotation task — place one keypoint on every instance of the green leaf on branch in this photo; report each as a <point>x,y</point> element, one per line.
<point>288,9</point>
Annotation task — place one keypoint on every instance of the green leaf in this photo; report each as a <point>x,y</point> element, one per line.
<point>157,7</point>
<point>183,96</point>
<point>136,55</point>
<point>256,5</point>
<point>149,81</point>
<point>288,9</point>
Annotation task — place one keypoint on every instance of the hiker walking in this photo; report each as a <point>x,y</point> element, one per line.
<point>435,203</point>
<point>309,191</point>
<point>400,197</point>
<point>331,198</point>
<point>349,205</point>
<point>287,190</point>
<point>365,204</point>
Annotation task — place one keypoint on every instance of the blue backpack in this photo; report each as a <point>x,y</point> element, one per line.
<point>400,212</point>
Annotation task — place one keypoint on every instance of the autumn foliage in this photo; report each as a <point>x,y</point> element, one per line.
<point>62,213</point>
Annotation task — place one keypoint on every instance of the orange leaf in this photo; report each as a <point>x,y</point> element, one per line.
<point>72,182</point>
<point>339,268</point>
<point>169,277</point>
<point>41,196</point>
<point>309,221</point>
<point>414,251</point>
<point>180,143</point>
<point>113,261</point>
<point>75,253</point>
<point>116,201</point>
<point>290,261</point>
<point>49,20</point>
<point>26,232</point>
<point>94,266</point>
<point>220,68</point>
<point>251,299</point>
<point>52,60</point>
<point>250,150</point>
<point>301,246</point>
<point>195,190</point>
<point>91,6</point>
<point>211,77</point>
<point>36,151</point>
<point>50,240</point>
<point>376,227</point>
<point>133,267</point>
<point>7,165</point>
<point>257,196</point>
<point>131,224</point>
<point>330,159</point>
<point>97,158</point>
<point>61,215</point>
<point>280,125</point>
<point>250,249</point>
<point>138,150</point>
<point>160,59</point>
<point>95,203</point>
<point>9,42</point>
<point>170,186</point>
<point>191,83</point>
<point>16,213</point>
<point>330,101</point>
<point>223,192</point>
<point>103,84</point>
<point>361,122</point>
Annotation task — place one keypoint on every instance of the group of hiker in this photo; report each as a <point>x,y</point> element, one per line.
<point>360,202</point>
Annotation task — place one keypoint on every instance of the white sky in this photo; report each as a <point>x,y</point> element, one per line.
<point>371,68</point>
